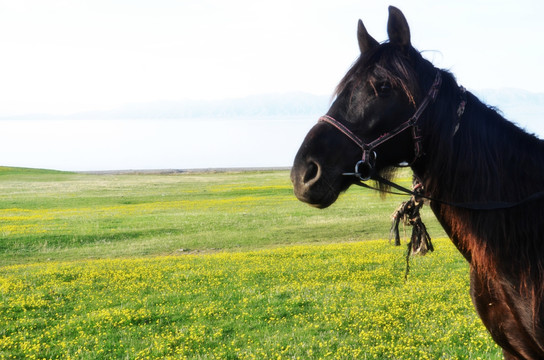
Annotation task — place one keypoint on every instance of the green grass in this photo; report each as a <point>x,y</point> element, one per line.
<point>64,216</point>
<point>219,266</point>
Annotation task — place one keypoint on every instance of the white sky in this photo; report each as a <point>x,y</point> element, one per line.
<point>66,56</point>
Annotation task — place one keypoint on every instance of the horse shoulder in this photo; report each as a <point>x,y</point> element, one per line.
<point>508,317</point>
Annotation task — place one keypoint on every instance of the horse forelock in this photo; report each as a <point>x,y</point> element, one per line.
<point>383,63</point>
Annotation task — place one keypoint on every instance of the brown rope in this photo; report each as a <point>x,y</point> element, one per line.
<point>409,213</point>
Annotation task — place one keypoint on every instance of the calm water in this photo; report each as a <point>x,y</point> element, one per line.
<point>152,144</point>
<point>174,144</point>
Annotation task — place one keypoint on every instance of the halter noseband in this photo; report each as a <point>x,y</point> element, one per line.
<point>368,160</point>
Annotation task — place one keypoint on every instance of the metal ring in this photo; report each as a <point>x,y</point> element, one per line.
<point>367,166</point>
<point>367,170</point>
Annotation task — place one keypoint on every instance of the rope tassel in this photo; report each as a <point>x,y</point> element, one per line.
<point>409,213</point>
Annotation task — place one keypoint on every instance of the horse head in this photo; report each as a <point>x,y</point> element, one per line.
<point>380,92</point>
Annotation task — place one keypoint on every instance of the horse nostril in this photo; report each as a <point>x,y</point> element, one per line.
<point>312,173</point>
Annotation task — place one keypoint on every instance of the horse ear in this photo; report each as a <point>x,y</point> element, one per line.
<point>366,42</point>
<point>397,28</point>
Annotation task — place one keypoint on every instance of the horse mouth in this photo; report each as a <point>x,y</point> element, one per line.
<point>320,201</point>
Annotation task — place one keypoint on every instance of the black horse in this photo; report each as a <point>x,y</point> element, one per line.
<point>394,107</point>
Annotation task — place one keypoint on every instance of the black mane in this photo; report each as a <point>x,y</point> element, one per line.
<point>488,159</point>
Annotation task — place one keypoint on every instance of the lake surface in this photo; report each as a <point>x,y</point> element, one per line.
<point>85,145</point>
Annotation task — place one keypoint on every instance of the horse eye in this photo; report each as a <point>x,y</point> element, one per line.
<point>384,88</point>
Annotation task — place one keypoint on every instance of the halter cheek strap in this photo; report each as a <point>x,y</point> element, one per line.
<point>368,159</point>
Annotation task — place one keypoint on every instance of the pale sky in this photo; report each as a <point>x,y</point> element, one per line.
<point>65,56</point>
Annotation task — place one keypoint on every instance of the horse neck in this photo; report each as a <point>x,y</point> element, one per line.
<point>487,159</point>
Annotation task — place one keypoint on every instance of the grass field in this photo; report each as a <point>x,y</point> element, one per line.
<point>219,266</point>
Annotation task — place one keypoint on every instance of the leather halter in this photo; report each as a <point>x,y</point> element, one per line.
<point>369,155</point>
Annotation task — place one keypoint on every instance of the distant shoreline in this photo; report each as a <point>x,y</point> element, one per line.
<point>182,171</point>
